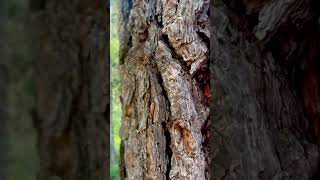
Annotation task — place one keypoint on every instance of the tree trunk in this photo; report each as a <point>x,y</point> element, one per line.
<point>72,84</point>
<point>165,89</point>
<point>265,86</point>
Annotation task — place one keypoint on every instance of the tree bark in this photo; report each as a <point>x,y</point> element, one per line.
<point>164,93</point>
<point>265,89</point>
<point>73,91</point>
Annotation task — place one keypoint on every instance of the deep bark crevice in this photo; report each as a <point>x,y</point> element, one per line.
<point>168,149</point>
<point>164,93</point>
<point>204,38</point>
<point>175,55</point>
<point>158,21</point>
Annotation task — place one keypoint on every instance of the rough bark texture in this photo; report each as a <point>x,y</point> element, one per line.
<point>164,64</point>
<point>72,84</point>
<point>265,89</point>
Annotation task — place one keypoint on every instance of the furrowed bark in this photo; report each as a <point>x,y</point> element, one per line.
<point>264,121</point>
<point>72,84</point>
<point>164,85</point>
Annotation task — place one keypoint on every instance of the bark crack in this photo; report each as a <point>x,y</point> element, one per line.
<point>168,149</point>
<point>166,126</point>
<point>175,55</point>
<point>204,38</point>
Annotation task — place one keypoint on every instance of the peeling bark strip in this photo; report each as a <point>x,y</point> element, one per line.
<point>266,89</point>
<point>72,88</point>
<point>164,89</point>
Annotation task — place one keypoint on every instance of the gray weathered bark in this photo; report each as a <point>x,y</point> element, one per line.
<point>163,57</point>
<point>265,89</point>
<point>72,84</point>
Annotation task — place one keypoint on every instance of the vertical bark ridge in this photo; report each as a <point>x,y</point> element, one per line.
<point>182,111</point>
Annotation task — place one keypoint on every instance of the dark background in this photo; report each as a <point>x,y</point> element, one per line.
<point>18,137</point>
<point>18,44</point>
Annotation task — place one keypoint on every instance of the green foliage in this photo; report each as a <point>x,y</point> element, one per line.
<point>115,172</point>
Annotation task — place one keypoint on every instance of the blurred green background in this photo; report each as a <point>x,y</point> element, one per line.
<point>115,84</point>
<point>16,57</point>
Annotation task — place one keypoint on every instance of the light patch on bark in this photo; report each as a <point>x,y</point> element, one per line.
<point>188,158</point>
<point>180,20</point>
